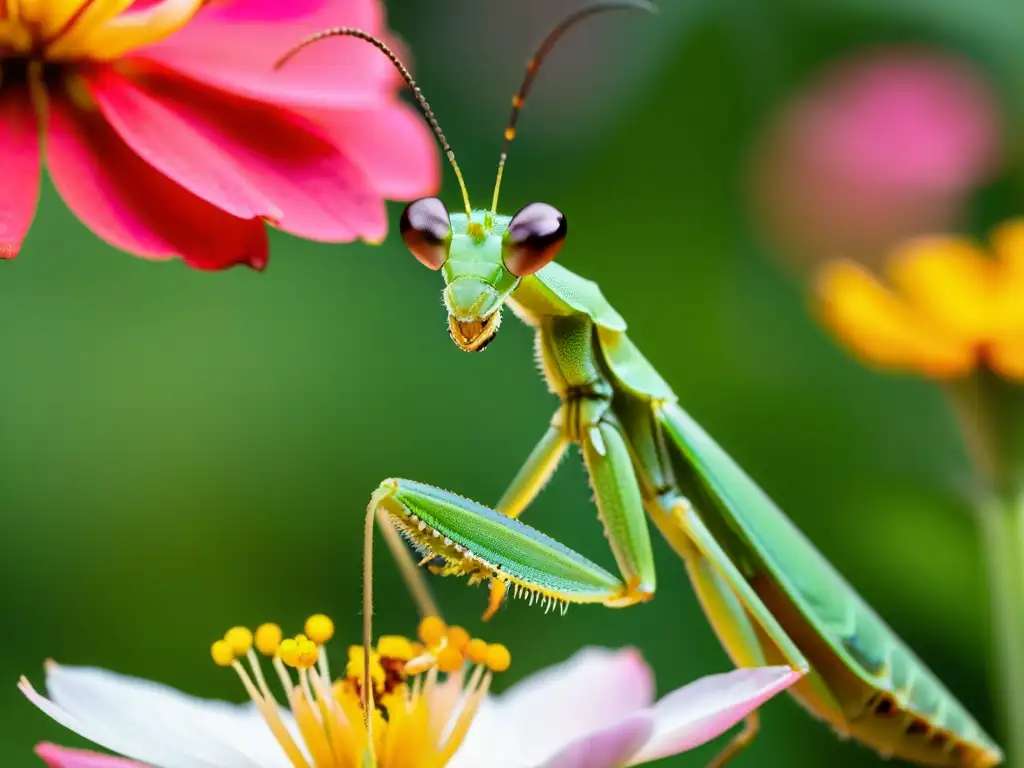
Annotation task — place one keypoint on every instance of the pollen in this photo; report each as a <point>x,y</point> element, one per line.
<point>476,651</point>
<point>432,630</point>
<point>498,658</point>
<point>299,652</point>
<point>223,654</point>
<point>417,718</point>
<point>268,639</point>
<point>396,647</point>
<point>943,307</point>
<point>320,629</point>
<point>240,639</point>
<point>458,637</point>
<point>449,659</point>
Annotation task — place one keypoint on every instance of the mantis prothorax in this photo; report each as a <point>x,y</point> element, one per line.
<point>770,596</point>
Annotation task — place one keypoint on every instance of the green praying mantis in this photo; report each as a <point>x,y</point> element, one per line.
<point>769,595</point>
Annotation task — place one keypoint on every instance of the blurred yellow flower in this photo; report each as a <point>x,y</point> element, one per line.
<point>947,309</point>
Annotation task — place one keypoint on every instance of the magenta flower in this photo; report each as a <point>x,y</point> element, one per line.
<point>168,133</point>
<point>597,710</point>
<point>882,146</point>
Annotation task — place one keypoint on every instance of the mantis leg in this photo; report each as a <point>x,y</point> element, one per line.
<point>616,489</point>
<point>539,467</point>
<point>731,605</point>
<point>472,540</point>
<point>619,502</point>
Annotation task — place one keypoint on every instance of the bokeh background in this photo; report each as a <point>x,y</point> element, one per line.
<point>183,452</point>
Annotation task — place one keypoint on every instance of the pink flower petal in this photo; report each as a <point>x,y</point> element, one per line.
<point>392,145</point>
<point>19,189</point>
<point>62,757</point>
<point>704,710</point>
<point>334,73</point>
<point>132,206</point>
<point>594,689</point>
<point>608,748</point>
<point>178,150</point>
<point>263,159</point>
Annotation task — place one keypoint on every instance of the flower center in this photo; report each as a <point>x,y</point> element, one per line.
<point>418,720</point>
<point>76,30</point>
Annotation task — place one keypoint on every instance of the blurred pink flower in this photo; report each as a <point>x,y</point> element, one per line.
<point>596,710</point>
<point>882,146</point>
<point>167,132</point>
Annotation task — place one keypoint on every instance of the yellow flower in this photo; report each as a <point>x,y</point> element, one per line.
<point>416,718</point>
<point>948,307</point>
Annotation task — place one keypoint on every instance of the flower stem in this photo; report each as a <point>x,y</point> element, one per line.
<point>1002,529</point>
<point>991,416</point>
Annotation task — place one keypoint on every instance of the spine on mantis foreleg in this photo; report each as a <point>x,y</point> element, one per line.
<point>459,537</point>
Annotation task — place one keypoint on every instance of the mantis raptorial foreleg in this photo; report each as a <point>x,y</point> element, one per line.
<point>474,541</point>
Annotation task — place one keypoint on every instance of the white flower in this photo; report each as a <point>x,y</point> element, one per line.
<point>595,710</point>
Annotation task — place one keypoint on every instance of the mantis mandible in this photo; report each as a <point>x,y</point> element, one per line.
<point>769,595</point>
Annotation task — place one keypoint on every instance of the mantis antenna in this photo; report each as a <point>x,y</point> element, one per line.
<point>546,46</point>
<point>381,46</point>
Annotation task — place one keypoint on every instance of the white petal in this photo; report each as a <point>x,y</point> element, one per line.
<point>488,741</point>
<point>163,726</point>
<point>549,710</point>
<point>608,748</point>
<point>116,740</point>
<point>704,710</point>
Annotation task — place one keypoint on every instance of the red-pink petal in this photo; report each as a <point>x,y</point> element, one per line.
<point>333,73</point>
<point>134,207</point>
<point>19,188</point>
<point>62,757</point>
<point>607,748</point>
<point>316,191</point>
<point>178,150</point>
<point>392,145</point>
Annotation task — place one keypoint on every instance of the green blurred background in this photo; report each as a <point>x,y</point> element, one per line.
<point>185,451</point>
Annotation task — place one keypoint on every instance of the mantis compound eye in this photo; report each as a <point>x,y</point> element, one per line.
<point>533,238</point>
<point>426,230</point>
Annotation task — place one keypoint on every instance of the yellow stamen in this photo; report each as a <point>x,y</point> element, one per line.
<point>395,647</point>
<point>273,719</point>
<point>223,654</point>
<point>240,639</point>
<point>412,720</point>
<point>432,631</point>
<point>458,638</point>
<point>449,660</point>
<point>268,639</point>
<point>354,670</point>
<point>476,651</point>
<point>299,652</point>
<point>320,629</point>
<point>498,658</point>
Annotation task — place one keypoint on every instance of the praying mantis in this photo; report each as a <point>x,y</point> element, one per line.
<point>767,592</point>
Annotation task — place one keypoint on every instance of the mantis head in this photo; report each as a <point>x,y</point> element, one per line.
<point>482,258</point>
<point>481,255</point>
